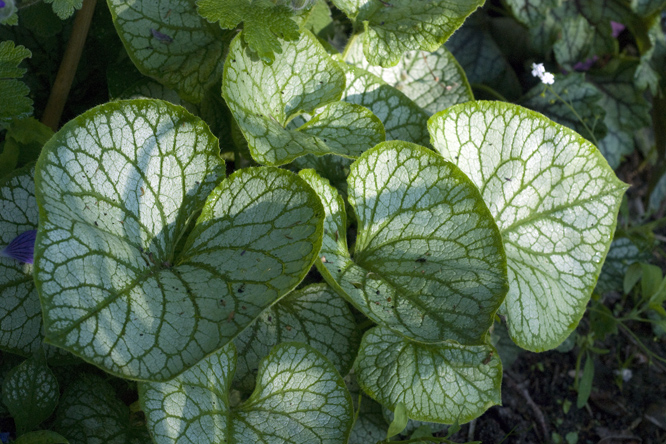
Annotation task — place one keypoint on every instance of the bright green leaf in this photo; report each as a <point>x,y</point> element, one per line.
<point>394,27</point>
<point>13,93</point>
<point>585,383</point>
<point>124,282</point>
<point>65,8</point>
<point>169,41</point>
<point>555,201</point>
<point>264,23</point>
<point>583,97</point>
<point>433,80</point>
<point>299,398</point>
<point>90,412</point>
<point>428,260</point>
<point>314,315</point>
<point>402,118</point>
<point>30,392</point>
<point>633,275</point>
<point>400,420</point>
<point>265,98</point>
<point>437,382</point>
<point>41,437</point>
<point>651,278</point>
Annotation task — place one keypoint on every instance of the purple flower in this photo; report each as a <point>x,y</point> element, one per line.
<point>160,36</point>
<point>4,436</point>
<point>616,28</point>
<point>586,65</point>
<point>22,248</point>
<point>2,4</point>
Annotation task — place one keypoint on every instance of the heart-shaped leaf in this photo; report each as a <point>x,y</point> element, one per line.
<point>299,398</point>
<point>169,41</point>
<point>443,382</point>
<point>264,99</point>
<point>30,392</point>
<point>402,118</point>
<point>432,80</point>
<point>555,201</point>
<point>393,27</point>
<point>314,315</point>
<point>127,282</point>
<point>90,412</point>
<point>428,261</point>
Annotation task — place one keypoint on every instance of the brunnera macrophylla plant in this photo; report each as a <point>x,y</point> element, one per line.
<point>427,216</point>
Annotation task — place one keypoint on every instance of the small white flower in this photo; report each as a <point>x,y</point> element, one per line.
<point>538,70</point>
<point>547,78</point>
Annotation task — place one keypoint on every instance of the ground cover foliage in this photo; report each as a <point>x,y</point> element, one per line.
<point>344,221</point>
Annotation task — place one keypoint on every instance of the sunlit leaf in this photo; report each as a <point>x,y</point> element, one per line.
<point>264,99</point>
<point>433,80</point>
<point>393,27</point>
<point>555,201</point>
<point>129,278</point>
<point>428,260</point>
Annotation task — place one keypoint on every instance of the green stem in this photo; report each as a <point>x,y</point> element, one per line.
<point>348,45</point>
<point>573,110</point>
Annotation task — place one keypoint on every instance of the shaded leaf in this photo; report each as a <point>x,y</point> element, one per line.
<point>120,188</point>
<point>90,412</point>
<point>168,41</point>
<point>443,382</point>
<point>13,92</point>
<point>30,392</point>
<point>313,315</point>
<point>299,398</point>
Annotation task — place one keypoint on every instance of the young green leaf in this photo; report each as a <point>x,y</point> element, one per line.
<point>432,80</point>
<point>402,118</point>
<point>441,382</point>
<point>394,27</point>
<point>41,437</point>
<point>428,260</point>
<point>65,8</point>
<point>265,98</point>
<point>90,412</point>
<point>13,93</point>
<point>299,398</point>
<point>400,420</point>
<point>30,392</point>
<point>585,383</point>
<point>264,23</point>
<point>169,41</point>
<point>314,315</point>
<point>127,283</point>
<point>555,201</point>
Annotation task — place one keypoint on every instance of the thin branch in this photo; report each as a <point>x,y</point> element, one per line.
<point>70,61</point>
